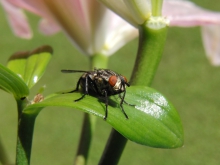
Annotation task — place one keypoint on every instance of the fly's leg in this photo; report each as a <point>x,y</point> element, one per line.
<point>106,105</point>
<point>77,87</point>
<point>86,89</point>
<point>122,100</point>
<point>125,101</point>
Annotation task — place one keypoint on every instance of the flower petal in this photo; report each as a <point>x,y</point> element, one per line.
<point>88,24</point>
<point>116,34</point>
<point>120,8</point>
<point>47,27</point>
<point>211,41</point>
<point>74,19</point>
<point>185,13</point>
<point>34,6</point>
<point>17,20</point>
<point>91,25</point>
<point>140,9</point>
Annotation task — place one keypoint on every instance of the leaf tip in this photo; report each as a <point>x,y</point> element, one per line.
<point>44,48</point>
<point>19,55</point>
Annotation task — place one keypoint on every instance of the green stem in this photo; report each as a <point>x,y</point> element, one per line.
<point>151,43</point>
<point>152,37</point>
<point>24,141</point>
<point>113,149</point>
<point>85,139</point>
<point>156,7</point>
<point>97,61</point>
<point>25,134</point>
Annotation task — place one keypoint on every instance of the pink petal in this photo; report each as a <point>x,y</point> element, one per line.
<point>73,17</point>
<point>211,41</point>
<point>48,28</point>
<point>47,25</point>
<point>90,26</point>
<point>185,13</point>
<point>34,6</point>
<point>17,20</point>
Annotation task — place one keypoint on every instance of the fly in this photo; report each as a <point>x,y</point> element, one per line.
<point>104,83</point>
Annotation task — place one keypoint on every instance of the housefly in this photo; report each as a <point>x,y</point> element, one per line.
<point>101,82</point>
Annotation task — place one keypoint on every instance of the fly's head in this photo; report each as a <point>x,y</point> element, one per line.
<point>118,83</point>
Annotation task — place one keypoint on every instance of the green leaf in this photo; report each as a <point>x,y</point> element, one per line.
<point>153,121</point>
<point>11,83</point>
<point>30,66</point>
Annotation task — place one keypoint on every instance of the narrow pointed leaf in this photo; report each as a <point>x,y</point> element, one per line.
<point>30,66</point>
<point>12,83</point>
<point>153,121</point>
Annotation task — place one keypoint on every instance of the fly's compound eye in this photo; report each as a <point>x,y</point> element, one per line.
<point>125,80</point>
<point>112,80</point>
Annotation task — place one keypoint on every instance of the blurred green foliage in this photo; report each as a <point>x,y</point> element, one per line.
<point>184,76</point>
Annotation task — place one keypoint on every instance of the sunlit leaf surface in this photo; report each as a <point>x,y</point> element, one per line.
<point>30,66</point>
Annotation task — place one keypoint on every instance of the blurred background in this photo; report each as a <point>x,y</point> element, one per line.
<point>184,76</point>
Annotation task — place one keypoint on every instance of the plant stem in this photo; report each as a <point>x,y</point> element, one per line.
<point>152,38</point>
<point>97,61</point>
<point>156,7</point>
<point>24,141</point>
<point>151,43</point>
<point>113,149</point>
<point>25,134</point>
<point>85,139</point>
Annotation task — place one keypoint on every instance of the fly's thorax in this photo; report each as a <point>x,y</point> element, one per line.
<point>84,75</point>
<point>92,75</point>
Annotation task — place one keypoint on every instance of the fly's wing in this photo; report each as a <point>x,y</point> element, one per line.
<point>106,74</point>
<point>73,71</point>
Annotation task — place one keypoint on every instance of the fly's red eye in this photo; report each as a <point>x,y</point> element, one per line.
<point>112,80</point>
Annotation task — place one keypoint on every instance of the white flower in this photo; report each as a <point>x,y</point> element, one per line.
<point>136,12</point>
<point>180,13</point>
<point>92,27</point>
